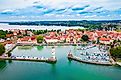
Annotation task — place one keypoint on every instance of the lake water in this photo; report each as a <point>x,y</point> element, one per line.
<point>62,70</point>
<point>4,26</point>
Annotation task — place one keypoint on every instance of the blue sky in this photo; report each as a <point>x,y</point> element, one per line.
<point>60,10</point>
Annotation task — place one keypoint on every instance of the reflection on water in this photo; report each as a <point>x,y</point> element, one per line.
<point>40,48</point>
<point>3,64</point>
<point>69,61</point>
<point>24,47</point>
<point>53,68</point>
<point>9,61</point>
<point>29,47</point>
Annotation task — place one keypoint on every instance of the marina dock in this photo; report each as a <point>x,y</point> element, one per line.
<point>75,58</point>
<point>97,63</point>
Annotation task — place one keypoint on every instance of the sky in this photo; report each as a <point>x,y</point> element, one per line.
<point>11,10</point>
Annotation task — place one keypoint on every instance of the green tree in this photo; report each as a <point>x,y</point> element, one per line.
<point>58,30</point>
<point>85,38</point>
<point>2,49</point>
<point>40,39</point>
<point>2,34</point>
<point>116,52</point>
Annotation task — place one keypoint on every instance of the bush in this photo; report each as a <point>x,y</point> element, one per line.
<point>2,49</point>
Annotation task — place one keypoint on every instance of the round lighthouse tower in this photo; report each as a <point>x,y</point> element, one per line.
<point>53,53</point>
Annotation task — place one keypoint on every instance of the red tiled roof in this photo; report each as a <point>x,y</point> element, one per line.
<point>105,39</point>
<point>9,35</point>
<point>27,38</point>
<point>33,38</point>
<point>47,37</point>
<point>24,39</point>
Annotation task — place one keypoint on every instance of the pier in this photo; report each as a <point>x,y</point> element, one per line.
<point>75,58</point>
<point>47,60</point>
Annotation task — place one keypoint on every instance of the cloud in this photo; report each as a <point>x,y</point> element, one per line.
<point>60,10</point>
<point>82,8</point>
<point>98,8</point>
<point>36,2</point>
<point>38,6</point>
<point>85,12</point>
<point>66,9</point>
<point>48,11</point>
<point>7,12</point>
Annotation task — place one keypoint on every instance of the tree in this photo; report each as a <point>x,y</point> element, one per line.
<point>58,30</point>
<point>40,39</point>
<point>2,49</point>
<point>2,34</point>
<point>116,52</point>
<point>85,38</point>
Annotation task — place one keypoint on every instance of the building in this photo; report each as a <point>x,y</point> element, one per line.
<point>49,39</point>
<point>104,40</point>
<point>27,40</point>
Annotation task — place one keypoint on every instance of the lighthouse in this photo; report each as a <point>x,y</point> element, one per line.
<point>53,53</point>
